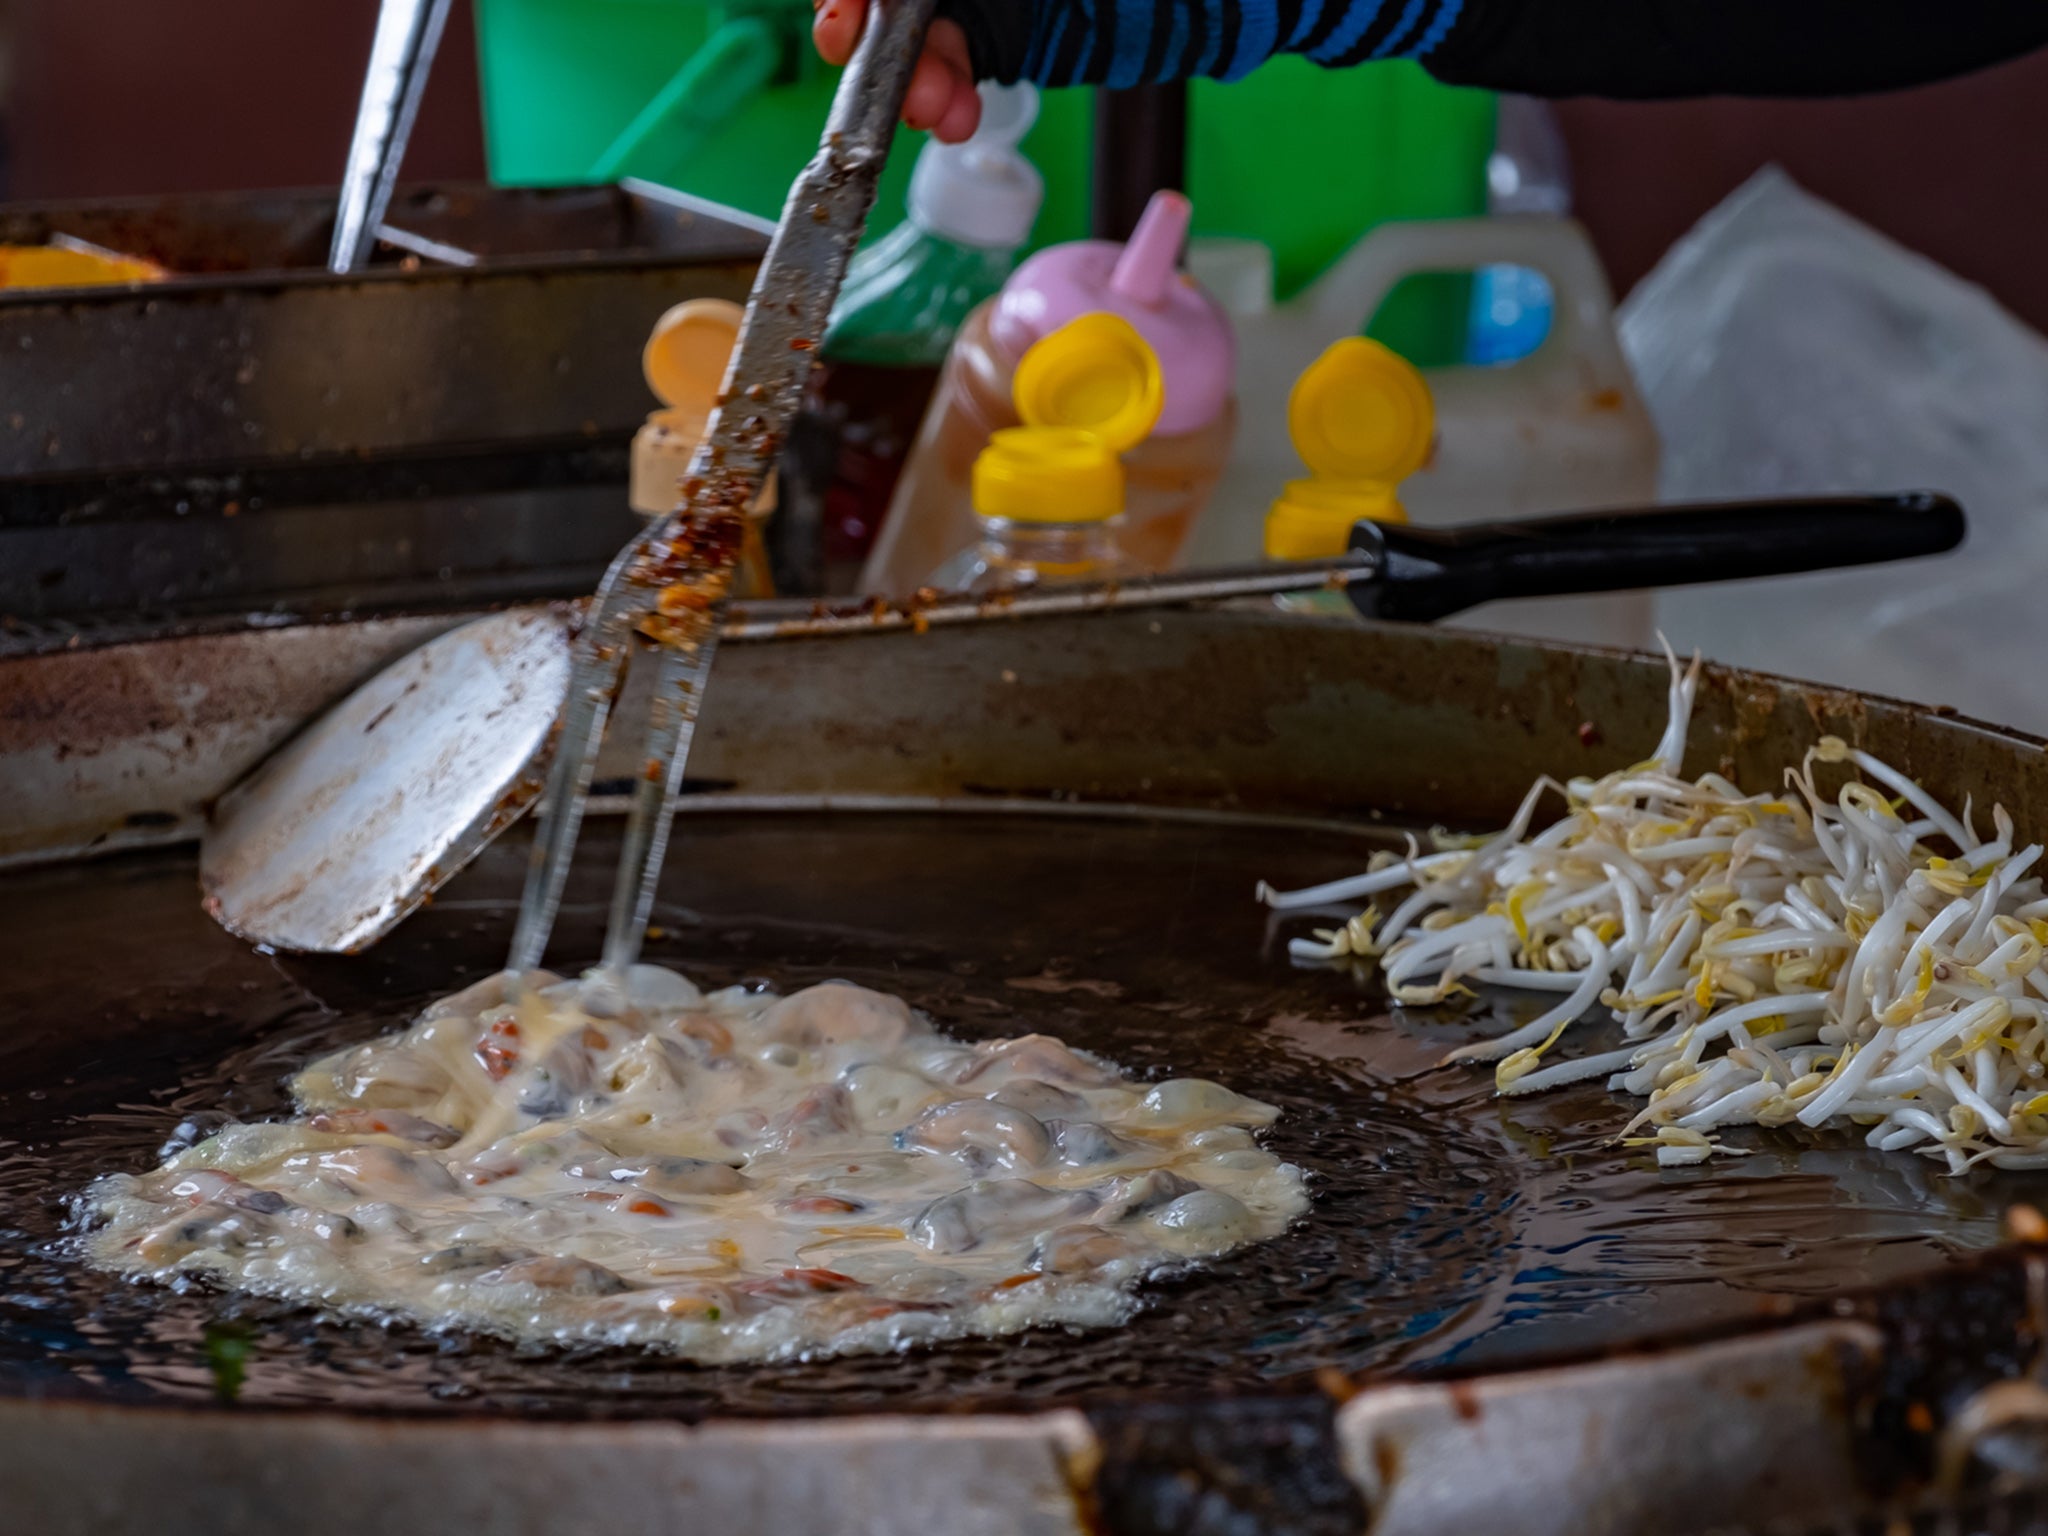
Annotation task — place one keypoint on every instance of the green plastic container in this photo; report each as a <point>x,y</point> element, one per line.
<point>1303,158</point>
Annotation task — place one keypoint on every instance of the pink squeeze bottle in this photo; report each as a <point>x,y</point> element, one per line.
<point>1169,476</point>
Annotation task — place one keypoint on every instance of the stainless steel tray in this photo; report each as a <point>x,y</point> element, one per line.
<point>256,352</point>
<point>256,433</point>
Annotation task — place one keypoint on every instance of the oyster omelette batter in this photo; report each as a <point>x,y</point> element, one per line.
<point>730,1177</point>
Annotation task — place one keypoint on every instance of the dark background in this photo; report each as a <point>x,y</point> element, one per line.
<point>107,97</point>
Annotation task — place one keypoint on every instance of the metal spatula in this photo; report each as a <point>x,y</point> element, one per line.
<point>669,585</point>
<point>334,840</point>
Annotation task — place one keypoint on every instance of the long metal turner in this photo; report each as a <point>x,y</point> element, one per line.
<point>339,836</point>
<point>331,842</point>
<point>669,585</point>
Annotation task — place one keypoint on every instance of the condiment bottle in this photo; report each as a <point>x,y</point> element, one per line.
<point>1049,496</point>
<point>971,209</point>
<point>684,363</point>
<point>1562,430</point>
<point>1362,420</point>
<point>1167,479</point>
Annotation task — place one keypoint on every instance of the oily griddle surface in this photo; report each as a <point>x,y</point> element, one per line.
<point>1448,1227</point>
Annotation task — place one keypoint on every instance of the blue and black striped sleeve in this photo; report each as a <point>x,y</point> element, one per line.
<point>1135,42</point>
<point>1620,48</point>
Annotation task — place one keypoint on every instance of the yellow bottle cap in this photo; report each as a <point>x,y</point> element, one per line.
<point>1313,519</point>
<point>1047,475</point>
<point>1362,420</point>
<point>1361,412</point>
<point>1087,392</point>
<point>685,358</point>
<point>1095,373</point>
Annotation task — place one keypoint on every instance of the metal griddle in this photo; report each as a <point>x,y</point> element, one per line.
<point>1492,1319</point>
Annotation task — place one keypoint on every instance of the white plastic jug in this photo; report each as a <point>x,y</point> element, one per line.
<point>1561,430</point>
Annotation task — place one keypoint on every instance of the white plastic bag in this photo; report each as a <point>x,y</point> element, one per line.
<point>1784,348</point>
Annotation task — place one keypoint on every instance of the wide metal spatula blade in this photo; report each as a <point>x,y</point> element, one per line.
<point>359,818</point>
<point>354,823</point>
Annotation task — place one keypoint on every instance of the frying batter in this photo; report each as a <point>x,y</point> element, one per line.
<point>733,1177</point>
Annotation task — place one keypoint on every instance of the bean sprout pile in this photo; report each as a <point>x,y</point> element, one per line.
<point>1868,959</point>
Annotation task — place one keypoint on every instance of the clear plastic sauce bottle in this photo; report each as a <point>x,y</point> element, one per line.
<point>1168,478</point>
<point>1049,496</point>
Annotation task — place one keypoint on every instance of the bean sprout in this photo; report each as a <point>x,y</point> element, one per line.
<point>1771,959</point>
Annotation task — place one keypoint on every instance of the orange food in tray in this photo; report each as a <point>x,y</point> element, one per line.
<point>71,266</point>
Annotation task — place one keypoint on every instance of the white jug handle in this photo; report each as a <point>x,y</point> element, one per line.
<point>1344,298</point>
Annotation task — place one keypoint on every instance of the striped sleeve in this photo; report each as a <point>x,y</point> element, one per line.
<point>1136,42</point>
<point>1624,48</point>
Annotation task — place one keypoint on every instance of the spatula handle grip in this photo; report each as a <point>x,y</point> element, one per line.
<point>1430,573</point>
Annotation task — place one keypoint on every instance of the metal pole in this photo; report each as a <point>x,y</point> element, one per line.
<point>1141,147</point>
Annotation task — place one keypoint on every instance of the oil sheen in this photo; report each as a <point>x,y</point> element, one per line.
<point>1447,1227</point>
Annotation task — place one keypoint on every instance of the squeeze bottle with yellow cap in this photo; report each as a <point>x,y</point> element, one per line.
<point>1362,420</point>
<point>1563,429</point>
<point>1168,477</point>
<point>1049,495</point>
<point>684,363</point>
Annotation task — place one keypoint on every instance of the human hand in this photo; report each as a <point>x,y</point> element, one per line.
<point>941,96</point>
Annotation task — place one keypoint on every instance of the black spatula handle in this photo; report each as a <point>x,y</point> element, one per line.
<point>1429,573</point>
